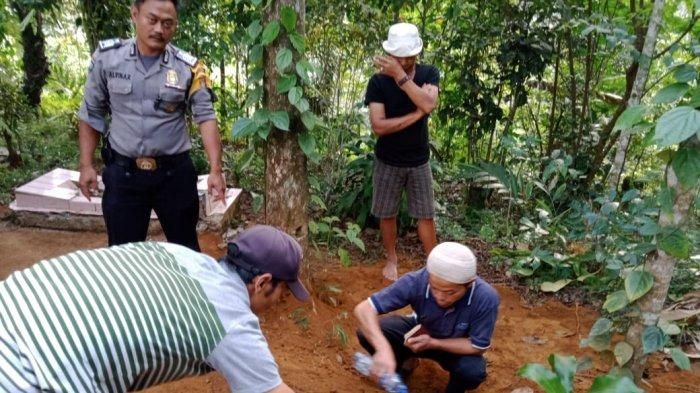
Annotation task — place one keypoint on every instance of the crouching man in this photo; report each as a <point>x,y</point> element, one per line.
<point>456,309</point>
<point>128,317</point>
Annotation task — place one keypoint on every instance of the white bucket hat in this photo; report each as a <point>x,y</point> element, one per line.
<point>452,262</point>
<point>403,40</point>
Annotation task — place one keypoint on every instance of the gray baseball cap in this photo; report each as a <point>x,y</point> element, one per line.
<point>265,249</point>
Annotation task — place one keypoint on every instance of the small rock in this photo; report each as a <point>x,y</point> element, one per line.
<point>339,358</point>
<point>523,390</point>
<point>534,340</point>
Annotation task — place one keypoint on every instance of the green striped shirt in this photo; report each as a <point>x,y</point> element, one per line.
<point>108,320</point>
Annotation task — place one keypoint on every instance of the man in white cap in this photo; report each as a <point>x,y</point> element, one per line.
<point>401,96</point>
<point>457,311</point>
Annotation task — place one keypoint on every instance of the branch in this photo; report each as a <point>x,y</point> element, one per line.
<point>667,73</point>
<point>677,40</point>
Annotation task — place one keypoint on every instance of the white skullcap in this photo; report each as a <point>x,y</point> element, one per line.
<point>452,262</point>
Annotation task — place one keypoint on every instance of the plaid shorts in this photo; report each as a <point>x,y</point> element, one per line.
<point>389,182</point>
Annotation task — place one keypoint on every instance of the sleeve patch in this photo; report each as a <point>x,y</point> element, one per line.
<point>109,44</point>
<point>186,57</point>
<point>199,78</point>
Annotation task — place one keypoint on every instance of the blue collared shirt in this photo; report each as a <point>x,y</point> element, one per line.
<point>473,316</point>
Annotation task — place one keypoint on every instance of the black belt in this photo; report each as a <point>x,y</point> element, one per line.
<point>150,163</point>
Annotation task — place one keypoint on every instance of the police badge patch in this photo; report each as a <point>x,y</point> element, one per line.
<point>171,79</point>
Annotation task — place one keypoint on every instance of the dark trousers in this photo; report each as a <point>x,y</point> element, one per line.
<point>467,372</point>
<point>131,193</point>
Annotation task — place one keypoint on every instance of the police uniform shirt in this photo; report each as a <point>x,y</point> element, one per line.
<point>146,107</point>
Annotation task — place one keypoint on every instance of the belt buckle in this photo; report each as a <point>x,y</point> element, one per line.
<point>146,163</point>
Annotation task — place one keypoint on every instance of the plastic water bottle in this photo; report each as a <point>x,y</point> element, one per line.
<point>391,383</point>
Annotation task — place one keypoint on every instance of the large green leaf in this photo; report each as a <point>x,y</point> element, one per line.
<point>309,120</point>
<point>271,32</point>
<point>254,29</point>
<point>669,329</point>
<point>599,343</point>
<point>685,73</point>
<point>548,380</point>
<point>286,82</point>
<point>565,367</point>
<point>680,358</point>
<point>601,326</point>
<point>295,95</point>
<point>614,384</point>
<point>264,131</point>
<point>652,339</point>
<point>307,142</point>
<point>649,228</point>
<point>670,93</point>
<point>686,165</point>
<point>631,116</point>
<point>675,243</point>
<point>303,69</point>
<point>245,159</point>
<point>280,119</point>
<point>298,42</point>
<point>288,17</point>
<point>261,116</point>
<point>615,301</point>
<point>302,105</point>
<point>637,283</point>
<point>243,127</point>
<point>256,53</point>
<point>623,352</point>
<point>677,125</point>
<point>554,286</point>
<point>695,99</point>
<point>283,59</point>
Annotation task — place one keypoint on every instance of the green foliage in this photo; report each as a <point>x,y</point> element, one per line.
<point>677,125</point>
<point>560,378</point>
<point>300,318</point>
<point>327,232</point>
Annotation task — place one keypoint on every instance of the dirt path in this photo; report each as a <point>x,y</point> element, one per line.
<point>313,343</point>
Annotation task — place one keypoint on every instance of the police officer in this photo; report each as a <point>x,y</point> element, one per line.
<point>144,86</point>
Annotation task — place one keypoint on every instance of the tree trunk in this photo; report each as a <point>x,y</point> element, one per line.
<point>13,157</point>
<point>35,63</point>
<point>286,181</point>
<point>607,136</point>
<point>637,91</point>
<point>660,266</point>
<point>105,19</point>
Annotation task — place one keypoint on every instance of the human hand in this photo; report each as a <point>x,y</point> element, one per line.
<point>216,185</point>
<point>88,181</point>
<point>419,343</point>
<point>389,66</point>
<point>383,362</point>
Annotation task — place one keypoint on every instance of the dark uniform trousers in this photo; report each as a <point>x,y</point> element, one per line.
<point>170,190</point>
<point>467,372</point>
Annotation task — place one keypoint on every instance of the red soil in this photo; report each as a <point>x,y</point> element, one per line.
<point>313,343</point>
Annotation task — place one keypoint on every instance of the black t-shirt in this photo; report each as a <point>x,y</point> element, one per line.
<point>407,148</point>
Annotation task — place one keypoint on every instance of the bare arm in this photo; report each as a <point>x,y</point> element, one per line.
<point>212,145</point>
<point>283,388</point>
<point>424,97</point>
<point>384,361</point>
<point>88,139</point>
<point>383,126</point>
<point>458,346</point>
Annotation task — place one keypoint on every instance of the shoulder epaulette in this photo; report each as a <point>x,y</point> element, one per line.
<point>109,44</point>
<point>186,57</point>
